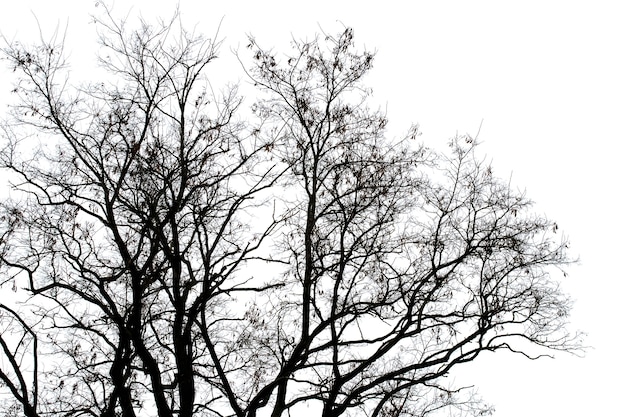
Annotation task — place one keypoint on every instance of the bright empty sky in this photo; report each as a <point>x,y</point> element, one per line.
<point>548,81</point>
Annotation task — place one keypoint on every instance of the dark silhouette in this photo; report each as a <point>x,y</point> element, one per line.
<point>181,260</point>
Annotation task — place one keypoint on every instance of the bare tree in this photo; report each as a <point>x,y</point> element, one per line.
<point>182,261</point>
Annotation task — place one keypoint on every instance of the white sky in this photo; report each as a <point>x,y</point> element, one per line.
<point>548,81</point>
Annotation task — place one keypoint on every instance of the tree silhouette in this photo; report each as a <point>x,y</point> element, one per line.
<point>183,260</point>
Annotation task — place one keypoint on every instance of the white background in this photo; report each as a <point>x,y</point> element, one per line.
<point>547,79</point>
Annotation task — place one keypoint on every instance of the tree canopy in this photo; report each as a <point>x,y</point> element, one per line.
<point>191,253</point>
